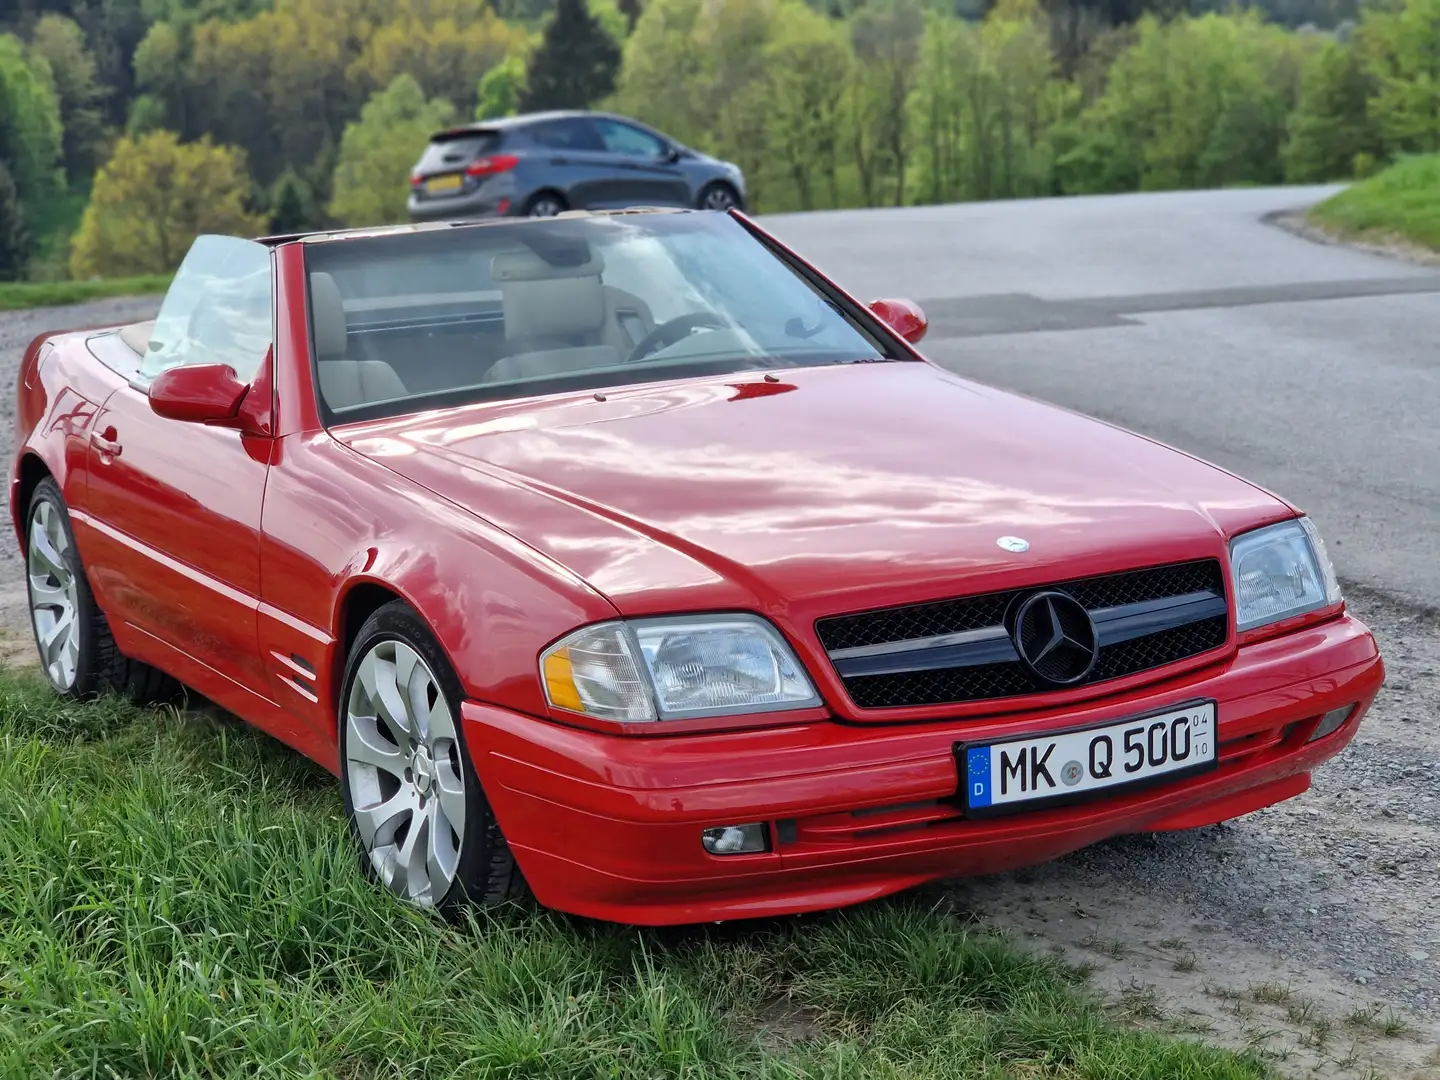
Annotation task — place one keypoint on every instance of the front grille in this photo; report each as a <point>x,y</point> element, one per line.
<point>1198,623</point>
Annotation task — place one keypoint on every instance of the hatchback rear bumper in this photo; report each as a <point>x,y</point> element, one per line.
<point>609,826</point>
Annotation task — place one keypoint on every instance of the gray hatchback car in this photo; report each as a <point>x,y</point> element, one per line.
<point>540,164</point>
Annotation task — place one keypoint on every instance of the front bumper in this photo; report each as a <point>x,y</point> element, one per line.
<point>609,826</point>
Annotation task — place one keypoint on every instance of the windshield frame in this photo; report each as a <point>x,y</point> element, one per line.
<point>890,346</point>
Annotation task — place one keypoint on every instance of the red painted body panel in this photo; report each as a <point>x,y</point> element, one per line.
<point>227,554</point>
<point>609,827</point>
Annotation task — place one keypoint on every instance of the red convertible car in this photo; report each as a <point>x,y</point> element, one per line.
<point>625,556</point>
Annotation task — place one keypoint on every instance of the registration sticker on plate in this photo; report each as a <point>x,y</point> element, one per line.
<point>438,185</point>
<point>1025,773</point>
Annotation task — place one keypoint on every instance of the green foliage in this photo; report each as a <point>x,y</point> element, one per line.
<point>1401,42</point>
<point>15,242</point>
<point>1193,103</point>
<point>1401,202</point>
<point>380,148</point>
<point>61,43</point>
<point>182,899</point>
<point>291,203</point>
<point>501,89</point>
<point>153,197</point>
<point>30,131</point>
<point>575,64</point>
<point>1331,127</point>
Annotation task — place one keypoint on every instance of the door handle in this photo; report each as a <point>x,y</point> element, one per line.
<point>106,443</point>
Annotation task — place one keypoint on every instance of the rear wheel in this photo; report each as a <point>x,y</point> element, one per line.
<point>414,801</point>
<point>545,204</point>
<point>77,650</point>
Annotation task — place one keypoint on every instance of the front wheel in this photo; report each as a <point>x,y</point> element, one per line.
<point>414,800</point>
<point>718,196</point>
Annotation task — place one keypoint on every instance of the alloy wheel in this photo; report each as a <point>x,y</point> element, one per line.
<point>545,207</point>
<point>54,600</point>
<point>719,198</point>
<point>404,769</point>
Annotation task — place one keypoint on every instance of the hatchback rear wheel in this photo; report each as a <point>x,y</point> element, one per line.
<point>545,204</point>
<point>414,801</point>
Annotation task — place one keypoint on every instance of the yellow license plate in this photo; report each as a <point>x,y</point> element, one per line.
<point>441,184</point>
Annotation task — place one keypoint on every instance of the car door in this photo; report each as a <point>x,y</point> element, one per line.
<point>577,163</point>
<point>173,506</point>
<point>647,176</point>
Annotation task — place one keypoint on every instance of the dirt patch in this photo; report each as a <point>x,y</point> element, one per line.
<point>1389,245</point>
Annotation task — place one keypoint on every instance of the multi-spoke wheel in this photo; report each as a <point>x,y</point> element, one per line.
<point>545,204</point>
<point>414,800</point>
<point>54,596</point>
<point>718,196</point>
<point>77,651</point>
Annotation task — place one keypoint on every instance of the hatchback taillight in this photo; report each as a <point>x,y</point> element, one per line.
<point>492,164</point>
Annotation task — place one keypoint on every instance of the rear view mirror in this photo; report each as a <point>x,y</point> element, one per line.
<point>198,394</point>
<point>902,316</point>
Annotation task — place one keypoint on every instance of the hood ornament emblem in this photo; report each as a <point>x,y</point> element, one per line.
<point>1016,544</point>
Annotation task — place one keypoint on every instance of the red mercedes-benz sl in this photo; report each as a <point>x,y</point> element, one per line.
<point>627,557</point>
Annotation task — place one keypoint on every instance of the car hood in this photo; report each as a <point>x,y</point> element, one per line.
<point>815,491</point>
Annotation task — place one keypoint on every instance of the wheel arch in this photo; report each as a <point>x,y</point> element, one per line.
<point>30,470</point>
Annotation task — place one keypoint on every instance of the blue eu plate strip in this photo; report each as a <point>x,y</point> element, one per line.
<point>977,768</point>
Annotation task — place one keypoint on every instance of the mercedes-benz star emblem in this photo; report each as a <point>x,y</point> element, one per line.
<point>1055,638</point>
<point>1016,544</point>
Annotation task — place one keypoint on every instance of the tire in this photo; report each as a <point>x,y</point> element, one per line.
<point>401,792</point>
<point>78,654</point>
<point>718,196</point>
<point>545,204</point>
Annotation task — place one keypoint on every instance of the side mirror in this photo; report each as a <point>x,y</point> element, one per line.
<point>671,155</point>
<point>902,316</point>
<point>199,394</point>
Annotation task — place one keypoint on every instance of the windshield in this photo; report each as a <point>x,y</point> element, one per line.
<point>412,321</point>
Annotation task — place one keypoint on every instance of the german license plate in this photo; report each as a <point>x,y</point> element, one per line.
<point>1030,773</point>
<point>441,185</point>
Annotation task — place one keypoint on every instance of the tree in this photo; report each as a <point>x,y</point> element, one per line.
<point>576,63</point>
<point>15,245</point>
<point>887,41</point>
<point>1401,44</point>
<point>807,59</point>
<point>379,149</point>
<point>1331,127</point>
<point>153,197</point>
<point>291,204</point>
<point>631,10</point>
<point>501,89</point>
<point>30,133</point>
<point>79,97</point>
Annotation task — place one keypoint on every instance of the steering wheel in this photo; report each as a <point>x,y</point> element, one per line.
<point>668,333</point>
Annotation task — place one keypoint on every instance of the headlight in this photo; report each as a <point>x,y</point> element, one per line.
<point>675,669</point>
<point>1280,571</point>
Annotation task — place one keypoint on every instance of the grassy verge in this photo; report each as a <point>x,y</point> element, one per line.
<point>29,294</point>
<point>179,899</point>
<point>1399,203</point>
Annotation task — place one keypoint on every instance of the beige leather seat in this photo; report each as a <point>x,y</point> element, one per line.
<point>343,381</point>
<point>559,319</point>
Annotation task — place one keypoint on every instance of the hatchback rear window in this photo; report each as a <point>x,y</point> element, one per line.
<point>457,151</point>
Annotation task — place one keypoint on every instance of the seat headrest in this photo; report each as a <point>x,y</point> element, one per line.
<point>327,316</point>
<point>527,266</point>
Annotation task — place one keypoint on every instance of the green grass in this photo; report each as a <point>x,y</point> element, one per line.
<point>29,294</point>
<point>1401,202</point>
<point>178,898</point>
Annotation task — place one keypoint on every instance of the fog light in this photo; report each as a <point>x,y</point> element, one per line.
<point>1331,722</point>
<point>736,839</point>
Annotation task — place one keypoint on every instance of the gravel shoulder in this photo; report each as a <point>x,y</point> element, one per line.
<point>1309,931</point>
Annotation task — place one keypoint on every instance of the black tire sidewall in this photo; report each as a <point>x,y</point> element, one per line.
<point>88,678</point>
<point>397,621</point>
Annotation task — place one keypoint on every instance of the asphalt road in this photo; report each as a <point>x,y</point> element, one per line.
<point>1309,368</point>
